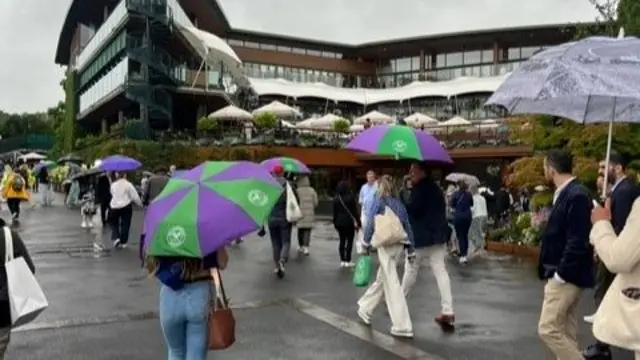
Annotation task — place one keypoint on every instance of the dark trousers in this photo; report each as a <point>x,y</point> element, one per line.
<point>280,241</point>
<point>345,246</point>
<point>104,210</point>
<point>121,223</point>
<point>14,207</point>
<point>604,278</point>
<point>462,225</point>
<point>304,237</point>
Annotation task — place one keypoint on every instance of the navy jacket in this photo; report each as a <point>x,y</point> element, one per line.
<point>461,203</point>
<point>622,198</point>
<point>427,214</point>
<point>278,216</point>
<point>565,247</point>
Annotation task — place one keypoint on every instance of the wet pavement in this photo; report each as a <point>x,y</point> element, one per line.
<point>102,306</point>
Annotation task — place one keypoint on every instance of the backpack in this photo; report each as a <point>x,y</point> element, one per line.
<point>18,183</point>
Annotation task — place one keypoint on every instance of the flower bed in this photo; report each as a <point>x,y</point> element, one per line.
<point>521,236</point>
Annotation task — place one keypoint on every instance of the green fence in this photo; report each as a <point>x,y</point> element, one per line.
<point>31,142</point>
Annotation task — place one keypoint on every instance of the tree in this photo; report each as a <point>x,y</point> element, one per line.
<point>206,124</point>
<point>341,126</point>
<point>266,120</point>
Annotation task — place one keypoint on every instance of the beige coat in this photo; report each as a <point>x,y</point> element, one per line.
<point>308,199</point>
<point>617,321</point>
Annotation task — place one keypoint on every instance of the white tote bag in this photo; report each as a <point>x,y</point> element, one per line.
<point>26,299</point>
<point>388,230</point>
<point>293,208</point>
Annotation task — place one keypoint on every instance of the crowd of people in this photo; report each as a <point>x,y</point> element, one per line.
<point>579,237</point>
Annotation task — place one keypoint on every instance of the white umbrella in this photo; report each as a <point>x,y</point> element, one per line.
<point>375,117</point>
<point>215,52</point>
<point>231,112</point>
<point>278,109</point>
<point>489,124</point>
<point>456,121</point>
<point>287,124</point>
<point>356,127</point>
<point>325,122</point>
<point>32,156</point>
<point>469,179</point>
<point>420,119</point>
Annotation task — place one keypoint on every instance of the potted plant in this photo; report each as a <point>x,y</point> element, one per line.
<point>207,125</point>
<point>266,120</point>
<point>341,126</point>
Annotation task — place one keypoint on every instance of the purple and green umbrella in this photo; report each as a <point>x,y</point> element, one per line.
<point>289,165</point>
<point>119,163</point>
<point>401,142</point>
<point>208,207</point>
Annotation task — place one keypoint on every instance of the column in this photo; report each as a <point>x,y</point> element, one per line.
<point>120,117</point>
<point>104,126</point>
<point>105,13</point>
<point>202,111</point>
<point>422,75</point>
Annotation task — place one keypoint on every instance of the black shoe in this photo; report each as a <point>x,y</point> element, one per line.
<point>597,352</point>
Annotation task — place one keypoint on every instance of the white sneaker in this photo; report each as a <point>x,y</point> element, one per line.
<point>349,264</point>
<point>305,250</point>
<point>589,318</point>
<point>463,260</point>
<point>84,225</point>
<point>343,264</point>
<point>116,243</point>
<point>366,318</point>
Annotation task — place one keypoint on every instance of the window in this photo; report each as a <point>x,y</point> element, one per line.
<point>527,52</point>
<point>298,51</point>
<point>472,57</point>
<point>252,45</point>
<point>513,54</point>
<point>402,65</point>
<point>487,56</point>
<point>441,61</point>
<point>314,53</point>
<point>329,55</point>
<point>234,42</point>
<point>454,59</point>
<point>268,47</point>
<point>283,48</point>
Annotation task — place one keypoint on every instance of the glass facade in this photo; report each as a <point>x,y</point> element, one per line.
<point>300,75</point>
<point>287,49</point>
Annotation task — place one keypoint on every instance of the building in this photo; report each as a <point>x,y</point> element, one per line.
<point>144,59</point>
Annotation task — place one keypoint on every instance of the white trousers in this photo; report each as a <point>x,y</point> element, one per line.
<point>360,237</point>
<point>387,283</point>
<point>435,255</point>
<point>47,194</point>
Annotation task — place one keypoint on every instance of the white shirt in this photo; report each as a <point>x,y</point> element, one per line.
<point>123,193</point>
<point>559,189</point>
<point>479,207</point>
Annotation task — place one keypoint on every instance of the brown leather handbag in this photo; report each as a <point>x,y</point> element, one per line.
<point>222,324</point>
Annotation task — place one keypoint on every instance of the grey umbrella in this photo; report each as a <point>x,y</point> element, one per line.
<point>594,80</point>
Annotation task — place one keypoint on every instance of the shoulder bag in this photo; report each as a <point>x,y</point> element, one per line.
<point>221,323</point>
<point>353,218</point>
<point>388,229</point>
<point>26,298</point>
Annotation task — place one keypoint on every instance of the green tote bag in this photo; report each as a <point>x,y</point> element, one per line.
<point>362,273</point>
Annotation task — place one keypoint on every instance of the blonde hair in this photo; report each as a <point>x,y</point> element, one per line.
<point>385,186</point>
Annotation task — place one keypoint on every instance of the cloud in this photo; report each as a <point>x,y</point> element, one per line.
<point>361,21</point>
<point>29,78</point>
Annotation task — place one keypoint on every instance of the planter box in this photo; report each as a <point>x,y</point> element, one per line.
<point>515,249</point>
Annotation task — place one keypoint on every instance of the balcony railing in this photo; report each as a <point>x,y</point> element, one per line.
<point>108,28</point>
<point>450,137</point>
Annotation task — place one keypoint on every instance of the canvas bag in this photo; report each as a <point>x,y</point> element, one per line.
<point>293,208</point>
<point>388,229</point>
<point>26,298</point>
<point>222,323</point>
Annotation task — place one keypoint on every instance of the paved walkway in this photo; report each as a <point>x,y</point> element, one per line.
<point>104,307</point>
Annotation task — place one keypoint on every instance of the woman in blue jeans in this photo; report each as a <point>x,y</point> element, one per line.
<point>461,203</point>
<point>187,287</point>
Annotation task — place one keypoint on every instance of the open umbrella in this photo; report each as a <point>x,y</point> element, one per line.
<point>119,163</point>
<point>401,142</point>
<point>289,165</point>
<point>44,164</point>
<point>468,179</point>
<point>593,80</point>
<point>70,158</point>
<point>208,207</point>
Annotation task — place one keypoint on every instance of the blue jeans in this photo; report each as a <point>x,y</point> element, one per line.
<point>183,317</point>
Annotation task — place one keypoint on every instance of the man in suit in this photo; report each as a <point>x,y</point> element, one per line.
<point>623,194</point>
<point>566,258</point>
<point>155,185</point>
<point>426,208</point>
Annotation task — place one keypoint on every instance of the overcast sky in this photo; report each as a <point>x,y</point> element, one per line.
<point>29,79</point>
<point>29,29</point>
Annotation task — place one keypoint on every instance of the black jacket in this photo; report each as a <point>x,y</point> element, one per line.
<point>427,214</point>
<point>345,215</point>
<point>103,190</point>
<point>565,247</point>
<point>622,198</point>
<point>19,250</point>
<point>278,216</point>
